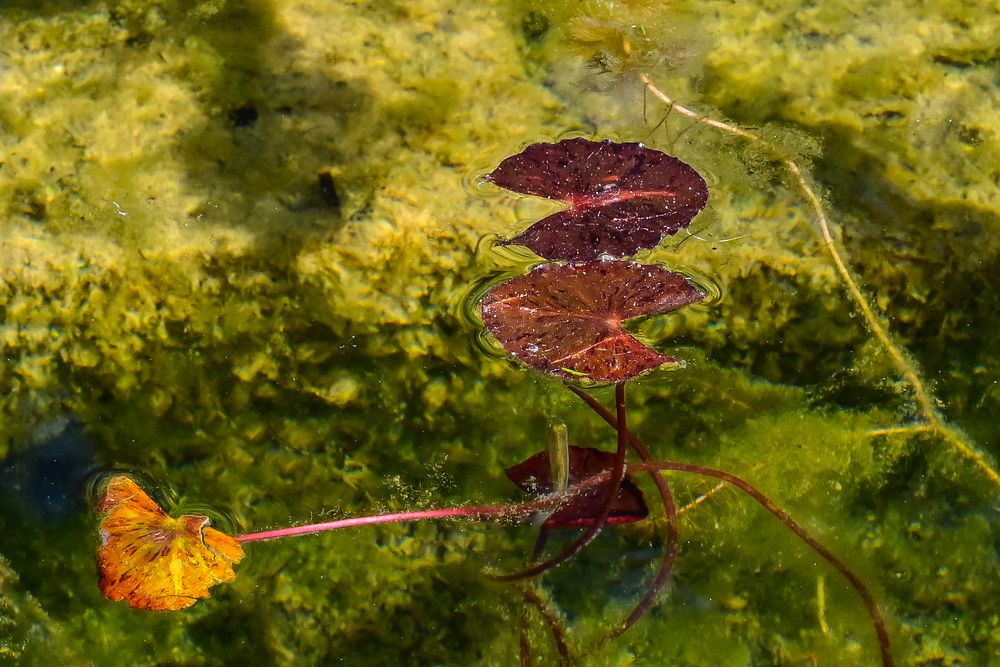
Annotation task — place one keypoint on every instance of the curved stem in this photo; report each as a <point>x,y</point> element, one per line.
<point>670,510</point>
<point>876,615</point>
<point>612,489</point>
<point>827,555</point>
<point>666,564</point>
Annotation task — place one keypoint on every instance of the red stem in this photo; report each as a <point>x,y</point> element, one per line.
<point>752,491</point>
<point>795,527</point>
<point>447,513</point>
<point>670,509</point>
<point>555,625</point>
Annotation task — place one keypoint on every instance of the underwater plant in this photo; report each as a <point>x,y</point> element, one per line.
<point>929,415</point>
<point>564,318</point>
<point>573,328</point>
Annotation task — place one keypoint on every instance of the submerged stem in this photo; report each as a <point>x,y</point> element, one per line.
<point>485,512</point>
<point>670,510</point>
<point>552,620</point>
<point>866,595</point>
<point>446,513</point>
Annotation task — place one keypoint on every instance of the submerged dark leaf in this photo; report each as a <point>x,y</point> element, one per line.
<point>534,476</point>
<point>621,197</point>
<point>566,319</point>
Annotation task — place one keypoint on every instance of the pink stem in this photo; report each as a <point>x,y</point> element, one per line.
<point>486,512</point>
<point>446,513</point>
<point>859,586</point>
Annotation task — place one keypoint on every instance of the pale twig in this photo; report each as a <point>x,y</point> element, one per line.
<point>702,498</point>
<point>900,430</point>
<point>821,606</point>
<point>905,366</point>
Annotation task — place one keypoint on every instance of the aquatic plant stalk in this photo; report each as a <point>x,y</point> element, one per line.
<point>904,364</point>
<point>869,600</point>
<point>878,621</point>
<point>486,512</point>
<point>558,449</point>
<point>551,618</point>
<point>670,510</point>
<point>308,529</point>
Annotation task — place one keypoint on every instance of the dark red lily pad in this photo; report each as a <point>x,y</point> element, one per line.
<point>534,475</point>
<point>566,319</point>
<point>621,197</point>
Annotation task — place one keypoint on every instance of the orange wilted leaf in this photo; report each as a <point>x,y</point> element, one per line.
<point>154,561</point>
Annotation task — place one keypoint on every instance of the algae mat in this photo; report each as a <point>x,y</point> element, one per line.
<point>239,247</point>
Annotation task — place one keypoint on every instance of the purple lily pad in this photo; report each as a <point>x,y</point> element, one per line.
<point>566,319</point>
<point>621,197</point>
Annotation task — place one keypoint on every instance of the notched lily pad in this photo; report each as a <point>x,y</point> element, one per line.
<point>621,197</point>
<point>534,476</point>
<point>154,561</point>
<point>566,320</point>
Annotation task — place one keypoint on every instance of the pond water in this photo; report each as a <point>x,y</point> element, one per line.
<point>241,255</point>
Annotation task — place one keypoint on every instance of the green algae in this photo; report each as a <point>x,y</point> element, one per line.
<point>162,265</point>
<point>28,636</point>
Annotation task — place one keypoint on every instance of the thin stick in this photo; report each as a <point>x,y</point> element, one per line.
<point>904,364</point>
<point>702,498</point>
<point>821,606</point>
<point>612,488</point>
<point>671,542</point>
<point>900,430</point>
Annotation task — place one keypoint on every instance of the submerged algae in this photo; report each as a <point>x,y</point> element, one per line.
<point>903,101</point>
<point>165,266</point>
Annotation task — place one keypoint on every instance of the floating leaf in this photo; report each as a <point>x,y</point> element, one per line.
<point>156,562</point>
<point>567,319</point>
<point>534,476</point>
<point>621,197</point>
